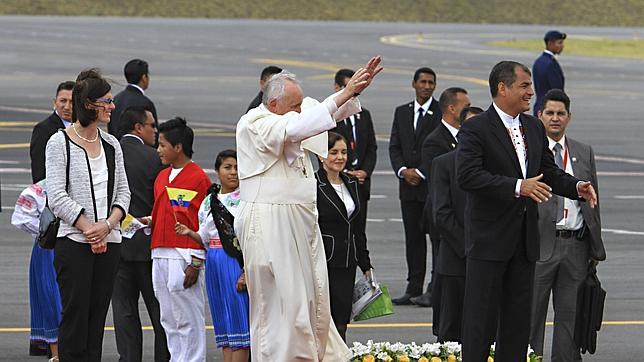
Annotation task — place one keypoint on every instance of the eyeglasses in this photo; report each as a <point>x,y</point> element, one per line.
<point>105,100</point>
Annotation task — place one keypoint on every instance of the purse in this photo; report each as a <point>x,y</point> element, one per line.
<point>49,223</point>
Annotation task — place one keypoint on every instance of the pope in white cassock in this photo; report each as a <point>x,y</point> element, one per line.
<point>285,265</point>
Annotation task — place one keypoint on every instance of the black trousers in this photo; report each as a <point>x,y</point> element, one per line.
<point>341,281</point>
<point>85,280</point>
<point>415,245</point>
<point>134,278</point>
<point>506,287</point>
<point>452,294</point>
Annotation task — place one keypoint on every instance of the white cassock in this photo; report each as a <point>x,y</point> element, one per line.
<point>285,264</point>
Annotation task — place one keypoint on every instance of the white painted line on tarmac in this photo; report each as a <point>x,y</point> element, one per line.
<point>634,161</point>
<point>629,197</point>
<point>379,196</point>
<point>375,220</point>
<point>9,162</point>
<point>623,232</point>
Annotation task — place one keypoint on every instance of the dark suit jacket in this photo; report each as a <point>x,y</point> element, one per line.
<point>366,146</point>
<point>487,169</point>
<point>256,101</point>
<point>547,74</point>
<point>129,97</point>
<point>582,160</point>
<point>344,247</point>
<point>43,130</point>
<point>142,165</point>
<point>405,145</point>
<point>449,214</point>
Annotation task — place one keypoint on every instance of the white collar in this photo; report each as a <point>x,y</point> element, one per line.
<point>425,106</point>
<point>135,136</point>
<point>507,119</point>
<point>450,128</point>
<point>65,122</point>
<point>549,52</point>
<point>562,142</point>
<point>137,87</point>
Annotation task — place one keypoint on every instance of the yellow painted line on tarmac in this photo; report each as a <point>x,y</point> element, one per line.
<point>358,326</point>
<point>4,146</point>
<point>16,123</point>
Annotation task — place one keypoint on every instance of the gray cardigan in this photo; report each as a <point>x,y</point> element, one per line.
<point>79,199</point>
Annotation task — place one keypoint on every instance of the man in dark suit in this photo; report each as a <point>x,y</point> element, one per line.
<point>361,149</point>
<point>570,236</point>
<point>137,75</point>
<point>266,74</point>
<point>412,123</point>
<point>134,275</point>
<point>546,71</point>
<point>505,166</point>
<point>441,140</point>
<point>60,118</point>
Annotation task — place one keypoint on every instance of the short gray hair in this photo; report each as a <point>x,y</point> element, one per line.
<point>274,88</point>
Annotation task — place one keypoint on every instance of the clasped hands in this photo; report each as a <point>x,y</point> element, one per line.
<point>541,192</point>
<point>411,176</point>
<point>96,234</point>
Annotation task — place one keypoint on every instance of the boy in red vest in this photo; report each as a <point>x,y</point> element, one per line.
<point>177,261</point>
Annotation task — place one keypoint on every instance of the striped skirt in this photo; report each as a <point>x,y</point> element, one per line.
<point>44,296</point>
<point>228,307</point>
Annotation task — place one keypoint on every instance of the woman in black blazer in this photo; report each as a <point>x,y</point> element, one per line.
<point>345,247</point>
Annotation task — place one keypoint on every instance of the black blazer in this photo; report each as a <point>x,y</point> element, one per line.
<point>366,146</point>
<point>438,142</point>
<point>142,164</point>
<point>256,101</point>
<point>43,130</point>
<point>487,168</point>
<point>129,97</point>
<point>344,247</point>
<point>405,145</point>
<point>449,214</point>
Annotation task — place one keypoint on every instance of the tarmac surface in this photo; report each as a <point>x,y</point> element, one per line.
<point>207,71</point>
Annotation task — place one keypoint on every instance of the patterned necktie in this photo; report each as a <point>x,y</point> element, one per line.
<point>560,199</point>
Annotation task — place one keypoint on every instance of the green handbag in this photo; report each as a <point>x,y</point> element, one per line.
<point>381,306</point>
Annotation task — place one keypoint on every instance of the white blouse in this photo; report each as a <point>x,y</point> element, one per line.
<point>346,198</point>
<point>207,228</point>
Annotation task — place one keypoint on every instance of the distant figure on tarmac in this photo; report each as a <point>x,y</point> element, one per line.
<point>546,71</point>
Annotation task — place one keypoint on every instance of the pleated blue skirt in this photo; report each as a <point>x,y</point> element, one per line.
<point>44,296</point>
<point>228,307</point>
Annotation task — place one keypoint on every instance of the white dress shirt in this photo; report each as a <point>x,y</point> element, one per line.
<point>137,87</point>
<point>453,130</point>
<point>513,125</point>
<point>573,218</point>
<point>345,196</point>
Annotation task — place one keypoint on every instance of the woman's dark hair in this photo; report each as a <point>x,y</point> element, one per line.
<point>221,156</point>
<point>335,137</point>
<point>177,131</point>
<point>89,87</point>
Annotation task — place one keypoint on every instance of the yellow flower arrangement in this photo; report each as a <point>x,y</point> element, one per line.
<point>369,358</point>
<point>403,358</point>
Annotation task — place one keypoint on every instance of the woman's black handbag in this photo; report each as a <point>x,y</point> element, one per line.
<point>49,223</point>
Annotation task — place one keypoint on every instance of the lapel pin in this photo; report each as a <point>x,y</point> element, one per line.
<point>429,111</point>
<point>453,145</point>
<point>358,116</point>
<point>574,159</point>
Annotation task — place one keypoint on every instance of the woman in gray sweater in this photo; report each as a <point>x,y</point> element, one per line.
<point>91,204</point>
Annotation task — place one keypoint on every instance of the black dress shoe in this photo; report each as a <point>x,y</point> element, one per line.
<point>405,299</point>
<point>424,300</point>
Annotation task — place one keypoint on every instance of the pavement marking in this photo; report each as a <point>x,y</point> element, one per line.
<point>16,123</point>
<point>358,326</point>
<point>25,110</point>
<point>4,146</point>
<point>623,232</point>
<point>634,161</point>
<point>629,197</point>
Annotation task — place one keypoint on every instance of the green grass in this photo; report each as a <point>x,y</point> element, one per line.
<point>553,12</point>
<point>613,48</point>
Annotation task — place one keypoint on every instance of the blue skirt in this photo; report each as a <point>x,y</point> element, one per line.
<point>228,307</point>
<point>44,296</point>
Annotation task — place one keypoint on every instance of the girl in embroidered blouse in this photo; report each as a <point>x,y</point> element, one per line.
<point>225,281</point>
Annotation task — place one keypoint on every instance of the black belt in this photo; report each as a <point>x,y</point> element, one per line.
<point>567,234</point>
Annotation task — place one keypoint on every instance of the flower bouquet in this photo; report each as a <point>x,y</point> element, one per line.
<point>428,352</point>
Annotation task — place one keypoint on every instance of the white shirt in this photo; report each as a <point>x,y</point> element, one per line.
<point>549,52</point>
<point>453,130</point>
<point>513,124</point>
<point>177,253</point>
<point>66,123</point>
<point>352,122</point>
<point>424,106</point>
<point>345,196</point>
<point>573,218</point>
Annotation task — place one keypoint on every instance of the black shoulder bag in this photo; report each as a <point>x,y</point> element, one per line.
<point>49,223</point>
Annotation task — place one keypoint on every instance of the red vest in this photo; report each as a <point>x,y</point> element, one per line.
<point>192,177</point>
